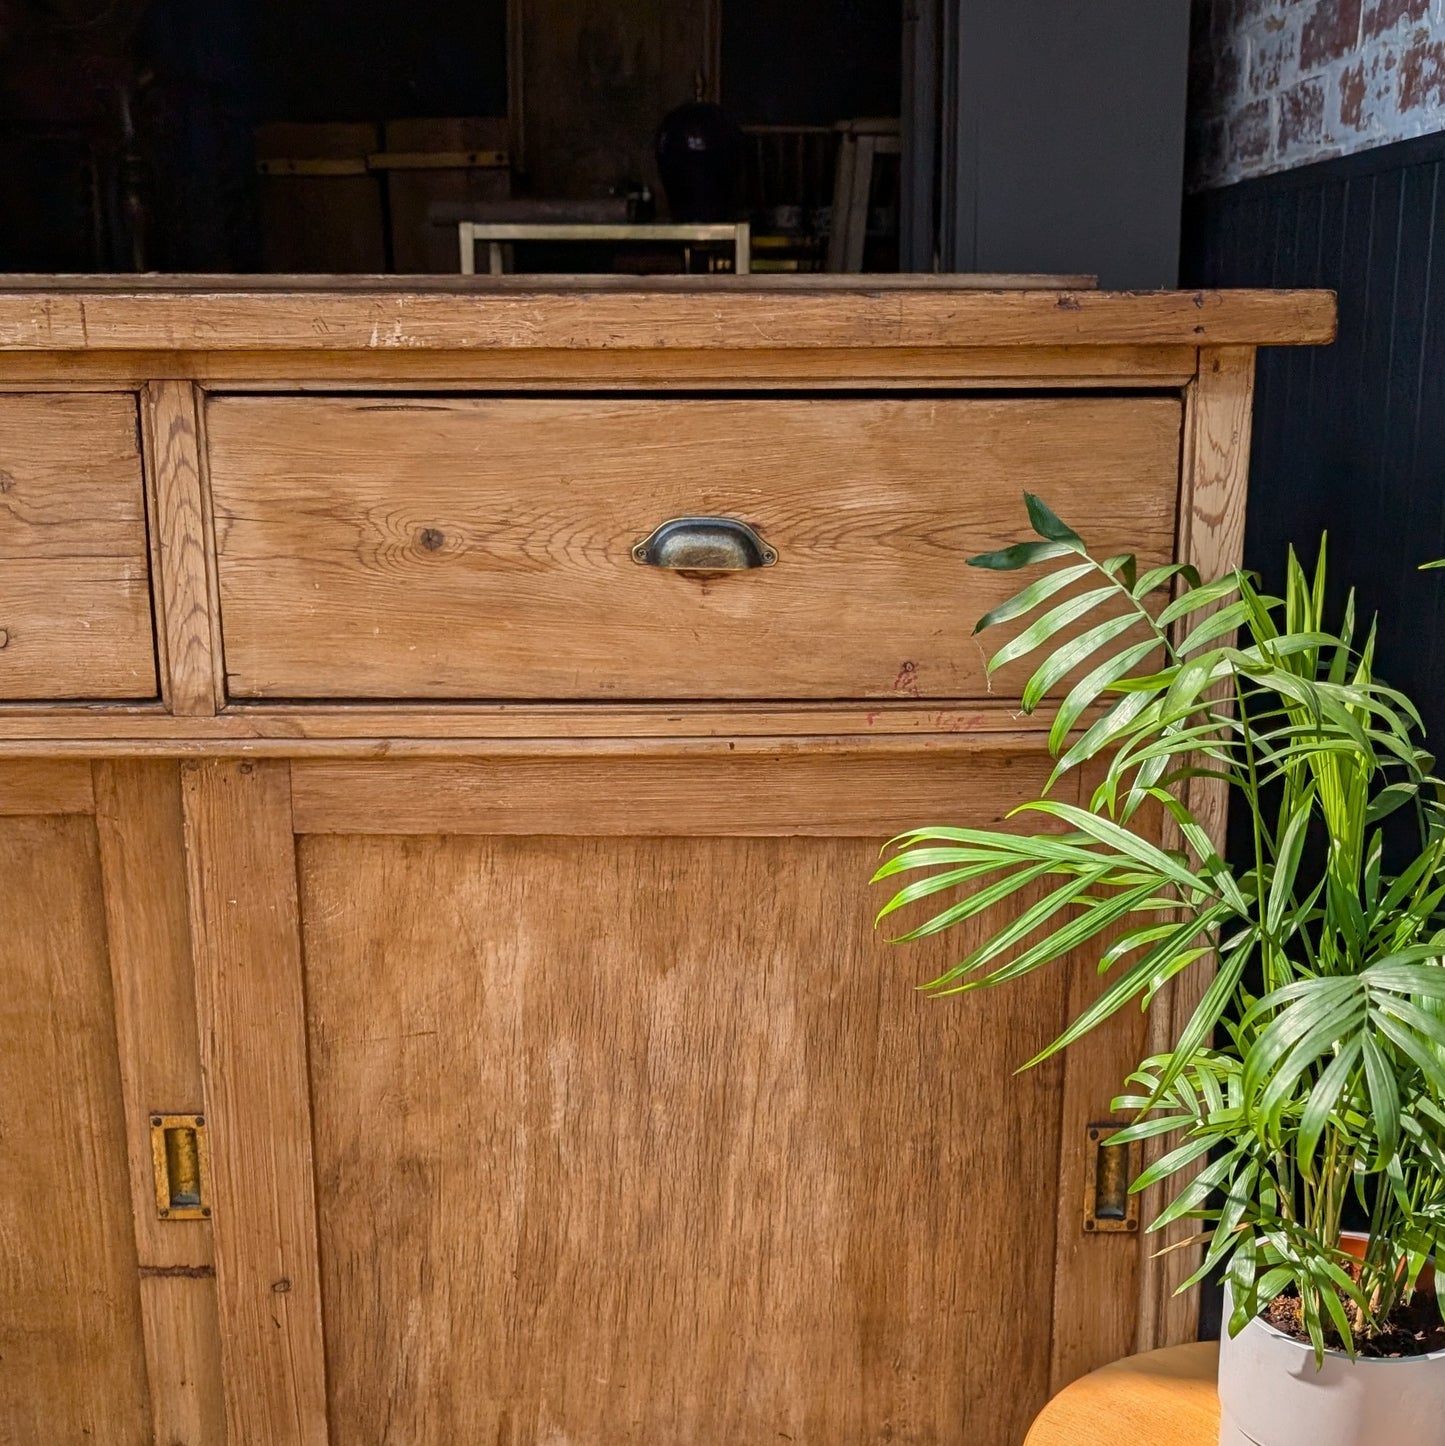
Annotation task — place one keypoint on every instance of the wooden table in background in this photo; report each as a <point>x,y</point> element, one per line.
<point>1161,1398</point>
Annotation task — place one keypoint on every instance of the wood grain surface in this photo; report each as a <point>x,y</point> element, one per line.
<point>638,1140</point>
<point>190,622</point>
<point>548,368</point>
<point>1097,1270</point>
<point>45,786</point>
<point>217,315</point>
<point>75,613</point>
<point>1161,1398</point>
<point>387,729</point>
<point>378,548</point>
<point>138,814</point>
<point>251,1013</point>
<point>72,1358</point>
<point>143,865</point>
<point>559,1090</point>
<point>847,792</point>
<point>1211,524</point>
<point>183,1359</point>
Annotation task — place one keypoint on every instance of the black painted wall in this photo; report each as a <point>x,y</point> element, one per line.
<point>1350,438</point>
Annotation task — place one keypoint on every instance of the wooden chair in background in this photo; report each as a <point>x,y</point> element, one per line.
<point>862,142</point>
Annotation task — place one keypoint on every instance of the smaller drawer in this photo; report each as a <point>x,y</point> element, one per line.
<point>75,602</point>
<point>374,547</point>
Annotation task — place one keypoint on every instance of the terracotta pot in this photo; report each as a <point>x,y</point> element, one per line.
<point>1272,1394</point>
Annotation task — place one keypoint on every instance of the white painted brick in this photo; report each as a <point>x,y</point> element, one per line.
<point>1252,49</point>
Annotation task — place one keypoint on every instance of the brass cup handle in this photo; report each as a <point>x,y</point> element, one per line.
<point>703,544</point>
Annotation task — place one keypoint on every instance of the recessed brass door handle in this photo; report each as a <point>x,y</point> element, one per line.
<point>181,1155</point>
<point>1108,1205</point>
<point>704,544</point>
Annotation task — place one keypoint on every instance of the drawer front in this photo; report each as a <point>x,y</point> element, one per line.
<point>484,548</point>
<point>75,605</point>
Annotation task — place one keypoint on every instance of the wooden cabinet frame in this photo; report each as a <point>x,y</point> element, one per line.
<point>197,802</point>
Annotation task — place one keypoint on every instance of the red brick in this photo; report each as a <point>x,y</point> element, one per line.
<point>1249,132</point>
<point>1332,31</point>
<point>1383,15</point>
<point>1352,97</point>
<point>1301,114</point>
<point>1422,75</point>
<point>1270,60</point>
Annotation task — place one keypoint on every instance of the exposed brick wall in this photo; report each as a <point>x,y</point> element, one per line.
<point>1275,84</point>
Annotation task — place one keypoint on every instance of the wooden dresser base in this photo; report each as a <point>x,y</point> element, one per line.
<point>492,909</point>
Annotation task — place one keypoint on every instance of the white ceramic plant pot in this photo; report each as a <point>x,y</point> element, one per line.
<point>1271,1394</point>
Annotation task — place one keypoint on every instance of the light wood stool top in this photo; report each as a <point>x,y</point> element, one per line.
<point>1162,1398</point>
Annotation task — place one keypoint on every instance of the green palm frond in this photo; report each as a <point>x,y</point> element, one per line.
<point>1327,1084</point>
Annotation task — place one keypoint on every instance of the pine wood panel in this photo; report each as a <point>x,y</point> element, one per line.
<point>1098,1272</point>
<point>190,620</point>
<point>1211,526</point>
<point>385,729</point>
<point>45,786</point>
<point>72,1362</point>
<point>75,615</point>
<point>183,1358</point>
<point>646,1140</point>
<point>656,313</point>
<point>836,793</point>
<point>242,891</point>
<point>482,548</point>
<point>609,370</point>
<point>138,817</point>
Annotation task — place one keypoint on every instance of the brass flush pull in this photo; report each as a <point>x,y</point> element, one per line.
<point>181,1155</point>
<point>1108,1205</point>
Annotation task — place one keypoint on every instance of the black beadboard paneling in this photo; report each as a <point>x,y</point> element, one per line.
<point>1350,439</point>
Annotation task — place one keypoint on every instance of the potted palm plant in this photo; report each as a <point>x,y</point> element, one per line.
<point>1308,1087</point>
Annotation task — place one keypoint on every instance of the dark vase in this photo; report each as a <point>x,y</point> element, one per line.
<point>698,150</point>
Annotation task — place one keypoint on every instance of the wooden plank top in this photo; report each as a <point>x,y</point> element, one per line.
<point>1161,1398</point>
<point>379,315</point>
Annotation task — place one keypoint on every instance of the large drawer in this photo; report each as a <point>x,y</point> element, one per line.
<point>75,604</point>
<point>374,547</point>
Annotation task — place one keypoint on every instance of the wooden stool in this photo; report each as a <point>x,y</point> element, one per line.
<point>1162,1398</point>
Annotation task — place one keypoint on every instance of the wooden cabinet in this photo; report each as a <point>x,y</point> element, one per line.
<point>485,911</point>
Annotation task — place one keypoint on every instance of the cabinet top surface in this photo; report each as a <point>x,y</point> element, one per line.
<point>381,314</point>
